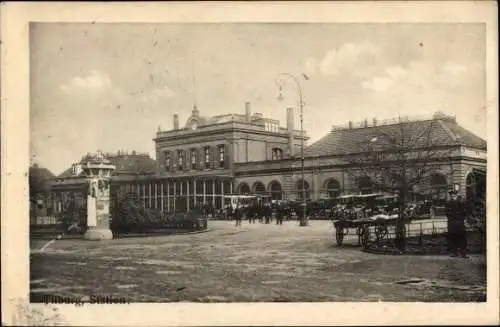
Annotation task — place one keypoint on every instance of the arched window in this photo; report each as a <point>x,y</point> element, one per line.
<point>365,185</point>
<point>243,188</point>
<point>332,188</point>
<point>439,186</point>
<point>259,188</point>
<point>277,154</point>
<point>470,186</point>
<point>302,187</point>
<point>275,190</point>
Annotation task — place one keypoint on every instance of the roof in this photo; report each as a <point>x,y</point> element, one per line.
<point>226,118</point>
<point>220,119</point>
<point>40,178</point>
<point>420,133</point>
<point>465,136</point>
<point>40,172</point>
<point>125,164</point>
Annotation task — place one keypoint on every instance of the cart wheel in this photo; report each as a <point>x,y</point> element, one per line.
<point>380,232</point>
<point>365,237</point>
<point>339,236</point>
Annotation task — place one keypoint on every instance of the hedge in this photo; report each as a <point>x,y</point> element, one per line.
<point>130,216</point>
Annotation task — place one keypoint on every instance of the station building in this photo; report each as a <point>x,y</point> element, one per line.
<point>207,158</point>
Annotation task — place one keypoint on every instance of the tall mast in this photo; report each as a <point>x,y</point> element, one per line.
<point>194,81</point>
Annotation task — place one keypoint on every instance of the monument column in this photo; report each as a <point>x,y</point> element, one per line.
<point>98,171</point>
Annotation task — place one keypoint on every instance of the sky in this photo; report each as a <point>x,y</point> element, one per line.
<point>109,86</point>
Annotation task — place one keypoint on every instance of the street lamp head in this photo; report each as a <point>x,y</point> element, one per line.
<point>280,95</point>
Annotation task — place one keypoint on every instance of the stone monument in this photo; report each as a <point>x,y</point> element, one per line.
<point>97,170</point>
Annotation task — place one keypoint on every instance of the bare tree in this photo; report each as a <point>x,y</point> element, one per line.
<point>397,157</point>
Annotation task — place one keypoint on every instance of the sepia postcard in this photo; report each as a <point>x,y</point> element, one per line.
<point>249,163</point>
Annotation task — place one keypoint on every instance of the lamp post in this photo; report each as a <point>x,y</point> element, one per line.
<point>303,220</point>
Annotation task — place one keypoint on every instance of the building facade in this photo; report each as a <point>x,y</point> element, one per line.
<point>210,157</point>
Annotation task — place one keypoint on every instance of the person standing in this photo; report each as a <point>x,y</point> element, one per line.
<point>280,216</point>
<point>456,212</point>
<point>237,215</point>
<point>230,213</point>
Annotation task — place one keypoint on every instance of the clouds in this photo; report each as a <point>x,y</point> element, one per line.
<point>96,81</point>
<point>157,95</point>
<point>350,57</point>
<point>379,84</point>
<point>420,76</point>
<point>453,68</point>
<point>99,84</point>
<point>111,90</point>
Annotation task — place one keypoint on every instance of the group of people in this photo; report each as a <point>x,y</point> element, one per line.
<point>262,211</point>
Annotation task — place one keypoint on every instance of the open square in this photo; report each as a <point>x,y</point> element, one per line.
<point>254,262</point>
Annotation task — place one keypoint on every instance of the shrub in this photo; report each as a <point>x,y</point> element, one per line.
<point>129,215</point>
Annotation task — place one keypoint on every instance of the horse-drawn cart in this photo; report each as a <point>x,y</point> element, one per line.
<point>361,228</point>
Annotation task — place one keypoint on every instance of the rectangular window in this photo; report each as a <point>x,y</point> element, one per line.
<point>207,157</point>
<point>277,154</point>
<point>193,159</point>
<point>221,155</point>
<point>180,159</point>
<point>167,160</point>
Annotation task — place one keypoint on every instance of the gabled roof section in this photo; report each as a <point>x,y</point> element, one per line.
<point>41,173</point>
<point>40,177</point>
<point>465,136</point>
<point>126,164</point>
<point>417,134</point>
<point>133,164</point>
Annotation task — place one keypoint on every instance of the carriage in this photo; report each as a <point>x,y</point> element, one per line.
<point>361,227</point>
<point>351,207</point>
<point>357,213</point>
<point>322,208</point>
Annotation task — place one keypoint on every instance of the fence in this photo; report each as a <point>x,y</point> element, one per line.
<point>421,236</point>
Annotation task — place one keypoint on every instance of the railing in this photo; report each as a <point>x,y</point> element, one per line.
<point>221,126</point>
<point>428,235</point>
<point>391,121</point>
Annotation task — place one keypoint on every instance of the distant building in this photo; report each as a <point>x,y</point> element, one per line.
<point>40,180</point>
<point>210,157</point>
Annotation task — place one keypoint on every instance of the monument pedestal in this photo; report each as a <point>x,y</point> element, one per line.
<point>98,234</point>
<point>98,171</point>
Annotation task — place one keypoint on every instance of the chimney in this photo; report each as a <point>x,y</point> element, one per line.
<point>289,127</point>
<point>374,121</point>
<point>248,112</point>
<point>350,124</point>
<point>176,121</point>
<point>366,122</point>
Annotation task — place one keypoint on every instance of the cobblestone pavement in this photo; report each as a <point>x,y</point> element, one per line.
<point>255,262</point>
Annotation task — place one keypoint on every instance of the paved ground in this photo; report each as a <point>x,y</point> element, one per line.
<point>250,263</point>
